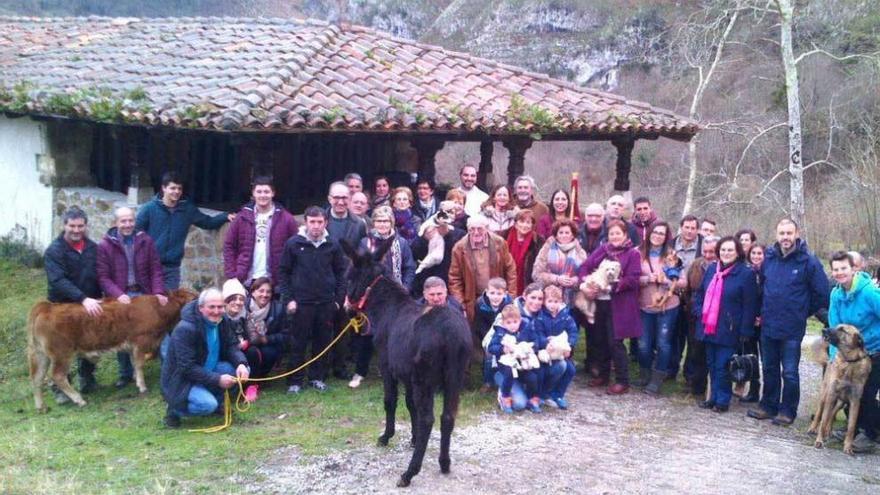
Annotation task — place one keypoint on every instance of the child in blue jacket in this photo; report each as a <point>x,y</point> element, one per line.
<point>553,320</point>
<point>513,325</point>
<point>488,307</point>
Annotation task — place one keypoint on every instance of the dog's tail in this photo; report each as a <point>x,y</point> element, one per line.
<point>819,352</point>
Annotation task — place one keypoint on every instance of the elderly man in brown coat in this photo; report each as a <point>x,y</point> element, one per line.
<point>476,258</point>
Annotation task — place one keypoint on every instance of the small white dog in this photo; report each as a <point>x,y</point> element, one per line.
<point>607,274</point>
<point>557,346</point>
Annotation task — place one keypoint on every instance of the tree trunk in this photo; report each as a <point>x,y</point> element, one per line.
<point>695,104</point>
<point>792,93</point>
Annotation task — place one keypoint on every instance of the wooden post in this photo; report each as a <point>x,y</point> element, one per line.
<point>516,165</point>
<point>426,152</point>
<point>624,162</point>
<point>484,173</point>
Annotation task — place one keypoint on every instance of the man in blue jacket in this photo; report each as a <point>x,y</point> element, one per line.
<point>795,287</point>
<point>167,218</point>
<point>72,278</point>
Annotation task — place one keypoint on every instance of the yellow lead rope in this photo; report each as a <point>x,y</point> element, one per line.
<point>357,323</point>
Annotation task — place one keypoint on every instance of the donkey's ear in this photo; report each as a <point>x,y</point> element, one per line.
<point>347,249</point>
<point>383,248</point>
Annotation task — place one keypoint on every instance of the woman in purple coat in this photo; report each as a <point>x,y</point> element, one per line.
<point>617,311</point>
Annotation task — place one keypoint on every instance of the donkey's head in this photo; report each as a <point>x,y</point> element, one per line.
<point>366,270</point>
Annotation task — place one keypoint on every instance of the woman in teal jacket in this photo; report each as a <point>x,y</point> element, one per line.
<point>856,301</point>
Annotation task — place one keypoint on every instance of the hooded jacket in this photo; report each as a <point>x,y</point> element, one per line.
<point>795,287</point>
<point>310,274</point>
<point>859,307</point>
<point>112,264</point>
<point>547,325</point>
<point>183,367</point>
<point>238,247</point>
<point>169,228</point>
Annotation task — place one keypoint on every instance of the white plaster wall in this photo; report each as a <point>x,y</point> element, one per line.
<point>26,202</point>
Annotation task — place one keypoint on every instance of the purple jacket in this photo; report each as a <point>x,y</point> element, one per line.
<point>112,265</point>
<point>238,247</point>
<point>625,296</point>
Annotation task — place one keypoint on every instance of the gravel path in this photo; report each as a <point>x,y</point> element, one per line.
<point>629,444</point>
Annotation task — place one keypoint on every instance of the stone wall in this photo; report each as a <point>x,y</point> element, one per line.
<point>203,259</point>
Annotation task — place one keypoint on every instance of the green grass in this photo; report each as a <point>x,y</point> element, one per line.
<point>117,444</point>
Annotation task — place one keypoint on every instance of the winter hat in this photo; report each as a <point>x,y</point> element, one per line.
<point>233,287</point>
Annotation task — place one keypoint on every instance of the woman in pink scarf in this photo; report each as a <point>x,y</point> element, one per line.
<point>725,306</point>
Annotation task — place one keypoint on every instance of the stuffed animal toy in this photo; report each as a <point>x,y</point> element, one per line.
<point>607,274</point>
<point>557,346</point>
<point>523,356</point>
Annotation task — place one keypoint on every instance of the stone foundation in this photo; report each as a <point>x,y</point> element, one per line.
<point>203,259</point>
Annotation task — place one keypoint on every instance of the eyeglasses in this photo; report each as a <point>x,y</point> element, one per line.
<point>339,198</point>
<point>236,299</point>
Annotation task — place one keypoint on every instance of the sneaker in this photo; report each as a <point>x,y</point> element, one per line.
<point>534,405</point>
<point>355,381</point>
<point>318,385</point>
<point>505,403</point>
<point>294,389</point>
<point>61,397</point>
<point>561,403</point>
<point>171,420</point>
<point>759,413</point>
<point>862,444</point>
<point>617,389</point>
<point>550,402</point>
<point>783,420</point>
<point>251,393</point>
<point>123,382</point>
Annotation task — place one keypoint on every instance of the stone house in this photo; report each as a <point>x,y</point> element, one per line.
<point>94,110</point>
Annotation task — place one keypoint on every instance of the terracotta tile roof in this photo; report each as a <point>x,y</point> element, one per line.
<point>294,76</point>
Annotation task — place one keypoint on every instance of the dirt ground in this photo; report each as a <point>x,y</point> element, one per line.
<point>602,444</point>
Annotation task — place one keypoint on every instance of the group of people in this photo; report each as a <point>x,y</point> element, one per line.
<point>513,265</point>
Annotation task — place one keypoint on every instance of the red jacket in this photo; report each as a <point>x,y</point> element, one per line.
<point>238,247</point>
<point>112,265</point>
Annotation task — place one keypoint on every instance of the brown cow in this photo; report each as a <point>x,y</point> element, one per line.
<point>59,331</point>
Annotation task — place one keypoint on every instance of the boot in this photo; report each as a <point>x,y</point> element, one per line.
<point>653,386</point>
<point>644,377</point>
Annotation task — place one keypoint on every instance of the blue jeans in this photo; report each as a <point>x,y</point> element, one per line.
<point>557,377</point>
<point>658,330</point>
<point>171,277</point>
<point>717,357</point>
<point>776,353</point>
<point>516,392</point>
<point>203,401</point>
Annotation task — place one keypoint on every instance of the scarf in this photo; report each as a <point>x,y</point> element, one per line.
<point>394,251</point>
<point>712,301</point>
<point>564,259</point>
<point>403,220</point>
<point>256,320</point>
<point>519,249</point>
<point>381,201</point>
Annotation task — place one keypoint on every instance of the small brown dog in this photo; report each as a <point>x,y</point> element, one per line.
<point>59,331</point>
<point>843,382</point>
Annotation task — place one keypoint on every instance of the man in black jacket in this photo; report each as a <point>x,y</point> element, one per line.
<point>312,282</point>
<point>203,360</point>
<point>70,268</point>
